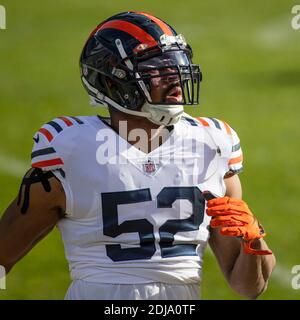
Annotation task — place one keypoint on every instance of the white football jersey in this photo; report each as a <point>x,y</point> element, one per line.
<point>133,217</point>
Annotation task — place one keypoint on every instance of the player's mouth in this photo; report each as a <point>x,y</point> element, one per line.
<point>174,95</point>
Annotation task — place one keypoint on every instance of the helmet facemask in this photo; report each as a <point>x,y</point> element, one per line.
<point>170,78</point>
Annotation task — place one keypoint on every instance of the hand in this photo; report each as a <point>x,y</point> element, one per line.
<point>235,219</point>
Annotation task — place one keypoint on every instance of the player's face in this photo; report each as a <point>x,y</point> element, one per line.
<point>165,86</point>
<point>166,75</point>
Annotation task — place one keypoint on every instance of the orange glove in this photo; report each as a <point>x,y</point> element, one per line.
<point>235,219</point>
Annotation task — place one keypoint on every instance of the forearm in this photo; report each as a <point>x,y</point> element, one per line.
<point>18,235</point>
<point>246,273</point>
<point>250,273</point>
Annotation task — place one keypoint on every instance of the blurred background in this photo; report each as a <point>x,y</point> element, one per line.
<point>250,58</point>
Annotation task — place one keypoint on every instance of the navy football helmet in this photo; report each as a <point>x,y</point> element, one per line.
<point>129,54</point>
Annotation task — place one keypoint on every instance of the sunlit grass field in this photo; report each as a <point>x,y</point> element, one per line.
<point>250,58</point>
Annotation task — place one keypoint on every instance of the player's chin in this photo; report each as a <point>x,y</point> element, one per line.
<point>173,99</point>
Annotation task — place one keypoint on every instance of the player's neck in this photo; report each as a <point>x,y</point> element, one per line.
<point>139,131</point>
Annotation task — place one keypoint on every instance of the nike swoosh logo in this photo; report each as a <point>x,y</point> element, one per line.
<point>37,139</point>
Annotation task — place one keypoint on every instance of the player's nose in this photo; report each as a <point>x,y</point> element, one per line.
<point>171,75</point>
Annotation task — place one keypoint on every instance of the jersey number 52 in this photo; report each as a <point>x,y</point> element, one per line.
<point>144,228</point>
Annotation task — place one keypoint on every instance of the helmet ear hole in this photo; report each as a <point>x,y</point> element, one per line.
<point>100,82</point>
<point>110,83</point>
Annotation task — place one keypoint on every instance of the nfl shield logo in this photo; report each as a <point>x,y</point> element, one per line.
<point>149,167</point>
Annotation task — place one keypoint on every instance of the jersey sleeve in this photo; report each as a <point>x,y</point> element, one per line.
<point>44,154</point>
<point>54,143</point>
<point>235,163</point>
<point>232,141</point>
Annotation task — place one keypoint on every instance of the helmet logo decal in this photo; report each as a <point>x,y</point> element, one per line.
<point>140,47</point>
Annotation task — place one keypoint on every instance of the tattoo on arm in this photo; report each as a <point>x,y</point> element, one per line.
<point>34,175</point>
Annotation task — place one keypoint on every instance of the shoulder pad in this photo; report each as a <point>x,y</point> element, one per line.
<point>45,154</point>
<point>235,161</point>
<point>52,128</point>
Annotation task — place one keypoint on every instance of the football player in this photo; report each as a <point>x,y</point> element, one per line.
<point>137,196</point>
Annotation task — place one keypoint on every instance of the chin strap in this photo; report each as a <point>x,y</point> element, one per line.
<point>163,114</point>
<point>159,114</point>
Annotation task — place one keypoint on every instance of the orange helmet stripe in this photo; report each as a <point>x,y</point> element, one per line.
<point>135,31</point>
<point>164,27</point>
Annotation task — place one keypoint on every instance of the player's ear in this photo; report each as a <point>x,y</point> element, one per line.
<point>110,83</point>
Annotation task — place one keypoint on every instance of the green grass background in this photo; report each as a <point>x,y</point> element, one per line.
<point>250,57</point>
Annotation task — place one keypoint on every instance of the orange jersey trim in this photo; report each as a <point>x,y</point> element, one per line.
<point>204,123</point>
<point>47,134</point>
<point>228,130</point>
<point>47,163</point>
<point>236,160</point>
<point>66,121</point>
